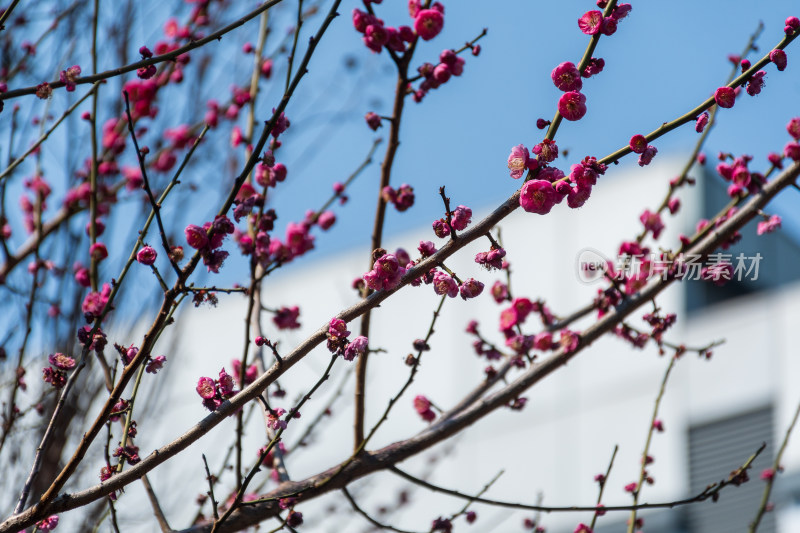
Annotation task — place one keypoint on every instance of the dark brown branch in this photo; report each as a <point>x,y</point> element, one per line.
<point>157,511</point>
<point>366,515</point>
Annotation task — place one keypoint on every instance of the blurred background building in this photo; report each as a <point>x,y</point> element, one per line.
<point>716,413</point>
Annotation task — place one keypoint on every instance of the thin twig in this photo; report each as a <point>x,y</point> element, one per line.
<point>157,511</point>
<point>707,493</point>
<point>776,466</point>
<point>646,452</point>
<point>47,134</point>
<point>602,484</point>
<point>210,479</point>
<point>169,56</point>
<point>366,515</point>
<point>156,206</point>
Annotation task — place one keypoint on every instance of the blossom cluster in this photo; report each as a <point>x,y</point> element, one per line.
<point>215,391</point>
<point>208,240</point>
<point>56,374</point>
<point>549,185</point>
<point>339,343</point>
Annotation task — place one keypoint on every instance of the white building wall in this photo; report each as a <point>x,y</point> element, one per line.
<point>573,418</point>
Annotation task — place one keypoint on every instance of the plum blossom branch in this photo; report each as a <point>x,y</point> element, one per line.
<point>156,206</point>
<point>587,56</point>
<point>369,518</point>
<point>210,480</point>
<point>645,460</point>
<point>697,111</point>
<point>7,172</point>
<point>7,13</point>
<point>709,492</point>
<point>603,479</point>
<point>769,475</point>
<point>392,454</point>
<point>690,161</point>
<point>448,249</point>
<point>256,467</point>
<point>157,511</point>
<point>169,56</point>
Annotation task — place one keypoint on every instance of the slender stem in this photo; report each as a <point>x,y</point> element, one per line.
<point>694,113</point>
<point>762,508</point>
<point>298,25</point>
<point>11,415</point>
<point>587,56</point>
<point>377,238</point>
<point>7,13</point>
<point>93,169</point>
<point>169,56</point>
<point>157,511</point>
<point>366,515</point>
<point>210,480</point>
<point>156,206</point>
<point>7,172</point>
<point>603,486</point>
<point>707,493</point>
<point>646,453</point>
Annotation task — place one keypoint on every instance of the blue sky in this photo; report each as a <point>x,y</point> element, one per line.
<point>664,59</point>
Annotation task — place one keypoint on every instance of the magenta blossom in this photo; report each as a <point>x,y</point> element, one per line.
<point>337,328</point>
<point>422,406</point>
<point>647,156</point>
<point>48,524</point>
<point>205,388</point>
<point>591,22</point>
<point>638,144</point>
<point>491,259</point>
<point>428,23</point>
<point>568,340</point>
<point>769,225</point>
<point>595,66</point>
<point>196,236</point>
<point>69,76</point>
<point>155,364</point>
<point>518,161</point>
<point>572,105</point>
<point>373,120</point>
<point>538,196</point>
<point>778,57</point>
<point>286,317</point>
<point>147,255</point>
<point>98,251</point>
<point>385,274</point>
<point>357,347</point>
<point>499,292</point>
<point>274,420</point>
<point>725,97</point>
<point>95,302</point>
<point>470,289</point>
<point>700,125</point>
<point>326,219</point>
<point>543,341</point>
<point>792,151</point>
<point>546,151</point>
<point>793,127</point>
<point>652,223</point>
<point>566,77</point>
<point>461,218</point>
<point>61,361</point>
<point>443,284</point>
